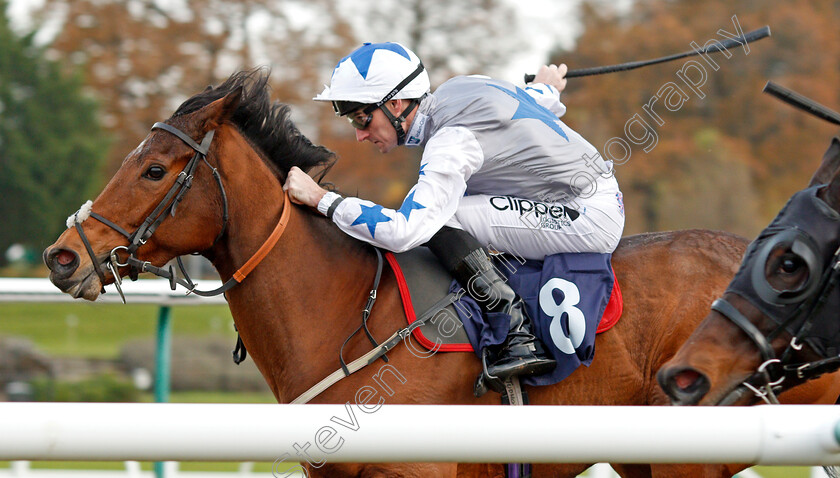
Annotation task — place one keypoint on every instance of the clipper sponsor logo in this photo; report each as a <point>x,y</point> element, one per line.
<point>549,216</point>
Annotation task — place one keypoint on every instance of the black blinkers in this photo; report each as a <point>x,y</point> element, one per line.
<point>805,234</point>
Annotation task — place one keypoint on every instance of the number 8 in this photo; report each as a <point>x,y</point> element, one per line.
<point>577,321</point>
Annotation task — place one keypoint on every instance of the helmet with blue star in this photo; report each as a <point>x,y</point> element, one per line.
<point>373,74</point>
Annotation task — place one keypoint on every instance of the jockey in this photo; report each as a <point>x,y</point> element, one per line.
<point>499,170</point>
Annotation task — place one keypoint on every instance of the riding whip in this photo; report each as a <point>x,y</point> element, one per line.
<point>721,45</point>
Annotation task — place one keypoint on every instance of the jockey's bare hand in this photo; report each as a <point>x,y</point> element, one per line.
<point>302,188</point>
<point>553,75</point>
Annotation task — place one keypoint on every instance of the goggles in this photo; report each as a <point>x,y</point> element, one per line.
<point>361,118</point>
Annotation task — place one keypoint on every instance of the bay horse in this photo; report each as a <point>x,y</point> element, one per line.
<point>776,325</point>
<point>299,303</point>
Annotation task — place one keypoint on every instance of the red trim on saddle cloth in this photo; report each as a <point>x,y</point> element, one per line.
<point>613,310</point>
<point>405,295</point>
<point>611,313</point>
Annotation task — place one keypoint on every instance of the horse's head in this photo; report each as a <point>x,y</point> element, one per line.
<point>776,324</point>
<point>151,185</point>
<point>168,197</point>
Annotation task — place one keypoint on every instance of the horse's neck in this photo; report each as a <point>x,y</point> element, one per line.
<point>287,309</point>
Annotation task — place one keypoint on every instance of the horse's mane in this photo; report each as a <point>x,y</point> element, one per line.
<point>265,124</point>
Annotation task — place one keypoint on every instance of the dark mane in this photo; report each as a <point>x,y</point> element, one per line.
<point>265,124</point>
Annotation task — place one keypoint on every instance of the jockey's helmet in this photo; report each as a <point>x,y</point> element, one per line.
<point>372,75</point>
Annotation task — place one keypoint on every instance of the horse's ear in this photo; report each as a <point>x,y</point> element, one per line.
<point>222,109</point>
<point>829,166</point>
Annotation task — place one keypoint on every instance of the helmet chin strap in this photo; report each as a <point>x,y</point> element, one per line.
<point>397,121</point>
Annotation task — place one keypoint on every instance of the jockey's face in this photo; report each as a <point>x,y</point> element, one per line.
<point>379,131</point>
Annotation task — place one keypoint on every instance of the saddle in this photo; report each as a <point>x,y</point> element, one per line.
<point>570,298</point>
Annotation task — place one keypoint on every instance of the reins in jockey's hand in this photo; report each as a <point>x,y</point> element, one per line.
<point>167,207</point>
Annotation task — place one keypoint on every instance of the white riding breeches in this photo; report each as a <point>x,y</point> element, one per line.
<point>534,229</point>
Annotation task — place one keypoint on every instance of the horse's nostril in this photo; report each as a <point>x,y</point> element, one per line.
<point>685,386</point>
<point>65,258</point>
<point>686,378</point>
<point>62,262</point>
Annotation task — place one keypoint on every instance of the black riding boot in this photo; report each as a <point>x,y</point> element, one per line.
<point>521,353</point>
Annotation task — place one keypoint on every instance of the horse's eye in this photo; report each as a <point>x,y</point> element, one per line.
<point>155,173</point>
<point>790,264</point>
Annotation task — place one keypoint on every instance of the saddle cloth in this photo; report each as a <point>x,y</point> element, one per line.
<point>570,297</point>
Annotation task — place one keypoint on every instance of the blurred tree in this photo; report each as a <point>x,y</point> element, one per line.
<point>51,143</point>
<point>728,159</point>
<point>452,38</point>
<point>143,57</point>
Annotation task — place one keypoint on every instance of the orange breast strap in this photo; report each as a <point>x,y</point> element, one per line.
<point>269,243</point>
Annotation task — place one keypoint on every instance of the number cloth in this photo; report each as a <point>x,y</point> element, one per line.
<point>565,296</point>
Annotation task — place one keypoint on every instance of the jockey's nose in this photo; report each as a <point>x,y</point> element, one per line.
<point>361,135</point>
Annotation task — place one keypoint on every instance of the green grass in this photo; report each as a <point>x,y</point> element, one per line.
<point>219,397</point>
<point>99,330</point>
<point>782,471</point>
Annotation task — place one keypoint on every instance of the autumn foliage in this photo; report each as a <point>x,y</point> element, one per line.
<point>727,159</point>
<point>725,155</point>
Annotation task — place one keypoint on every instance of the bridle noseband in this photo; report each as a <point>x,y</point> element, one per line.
<point>769,365</point>
<point>167,207</point>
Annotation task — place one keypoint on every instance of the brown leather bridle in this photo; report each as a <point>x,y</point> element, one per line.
<point>167,207</point>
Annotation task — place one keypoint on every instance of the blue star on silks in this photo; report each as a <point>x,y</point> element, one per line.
<point>529,108</point>
<point>361,56</point>
<point>409,205</point>
<point>371,216</point>
<point>422,167</point>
